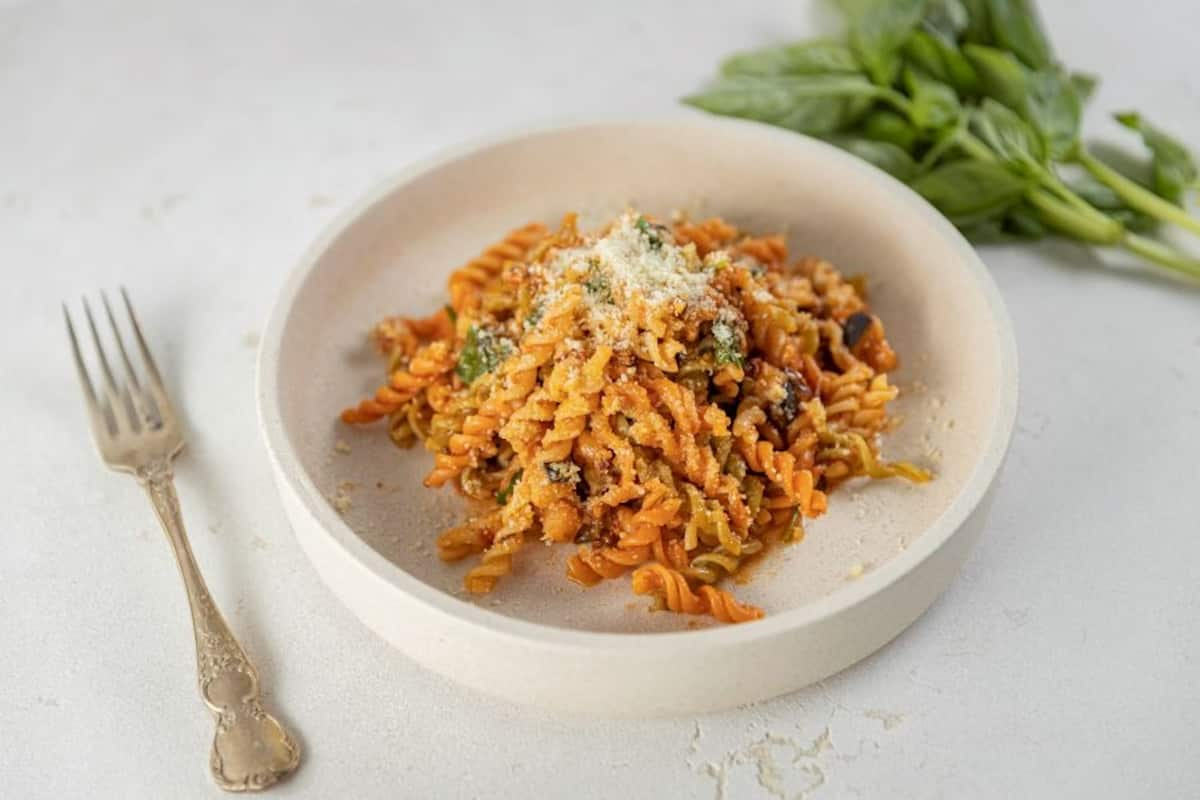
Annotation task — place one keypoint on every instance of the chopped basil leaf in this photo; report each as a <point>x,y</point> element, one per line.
<point>452,314</point>
<point>651,232</point>
<point>506,492</point>
<point>597,283</point>
<point>482,352</point>
<point>535,314</point>
<point>727,346</point>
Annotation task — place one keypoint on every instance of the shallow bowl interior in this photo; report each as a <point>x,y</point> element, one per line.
<point>393,256</point>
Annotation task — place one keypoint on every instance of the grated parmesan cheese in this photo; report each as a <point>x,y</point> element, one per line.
<point>633,263</point>
<point>654,267</point>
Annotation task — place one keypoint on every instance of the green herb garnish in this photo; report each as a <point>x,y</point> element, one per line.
<point>1173,167</point>
<point>965,101</point>
<point>535,314</point>
<point>650,232</point>
<point>452,314</point>
<point>481,353</point>
<point>506,492</point>
<point>596,283</point>
<point>726,344</point>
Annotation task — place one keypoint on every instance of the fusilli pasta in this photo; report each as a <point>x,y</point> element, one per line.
<point>673,399</point>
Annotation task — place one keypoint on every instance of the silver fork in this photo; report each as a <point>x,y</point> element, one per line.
<point>136,431</point>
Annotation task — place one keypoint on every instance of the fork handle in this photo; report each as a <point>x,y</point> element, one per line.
<point>250,750</point>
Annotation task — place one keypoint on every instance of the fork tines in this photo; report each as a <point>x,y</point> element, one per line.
<point>131,406</point>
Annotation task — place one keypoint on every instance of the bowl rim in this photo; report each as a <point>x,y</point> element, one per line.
<point>492,623</point>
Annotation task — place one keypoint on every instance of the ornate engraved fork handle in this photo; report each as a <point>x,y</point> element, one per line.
<point>251,750</point>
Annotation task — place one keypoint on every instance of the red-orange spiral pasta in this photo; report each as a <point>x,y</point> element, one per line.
<point>466,282</point>
<point>671,400</point>
<point>672,588</point>
<point>428,365</point>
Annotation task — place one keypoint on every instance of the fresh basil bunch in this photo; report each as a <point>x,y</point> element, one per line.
<point>964,101</point>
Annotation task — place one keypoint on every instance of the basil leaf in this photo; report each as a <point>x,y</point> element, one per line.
<point>934,104</point>
<point>922,51</point>
<point>1174,169</point>
<point>651,234</point>
<point>971,192</point>
<point>945,142</point>
<point>597,285</point>
<point>1023,223</point>
<point>1008,135</point>
<point>1053,107</point>
<point>727,344</point>
<point>481,353</point>
<point>1001,75</point>
<point>817,57</point>
<point>814,104</point>
<point>889,126</point>
<point>1095,193</point>
<point>1134,221</point>
<point>1015,26</point>
<point>979,25</point>
<point>506,492</point>
<point>536,312</point>
<point>987,232</point>
<point>878,29</point>
<point>1085,85</point>
<point>884,155</point>
<point>942,59</point>
<point>1020,224</point>
<point>946,18</point>
<point>1046,98</point>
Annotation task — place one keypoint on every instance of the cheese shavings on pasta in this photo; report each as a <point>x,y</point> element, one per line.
<point>672,399</point>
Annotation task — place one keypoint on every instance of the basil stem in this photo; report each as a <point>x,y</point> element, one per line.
<point>1135,196</point>
<point>1161,254</point>
<point>1094,228</point>
<point>975,148</point>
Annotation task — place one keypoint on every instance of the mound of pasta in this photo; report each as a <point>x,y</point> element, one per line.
<point>671,399</point>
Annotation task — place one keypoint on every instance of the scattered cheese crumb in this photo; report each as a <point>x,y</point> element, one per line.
<point>889,720</point>
<point>856,571</point>
<point>648,262</point>
<point>776,393</point>
<point>340,501</point>
<point>634,263</point>
<point>342,447</point>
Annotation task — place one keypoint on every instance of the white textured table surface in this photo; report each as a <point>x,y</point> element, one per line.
<point>192,151</point>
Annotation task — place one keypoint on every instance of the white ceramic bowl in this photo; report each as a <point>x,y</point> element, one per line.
<point>540,639</point>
